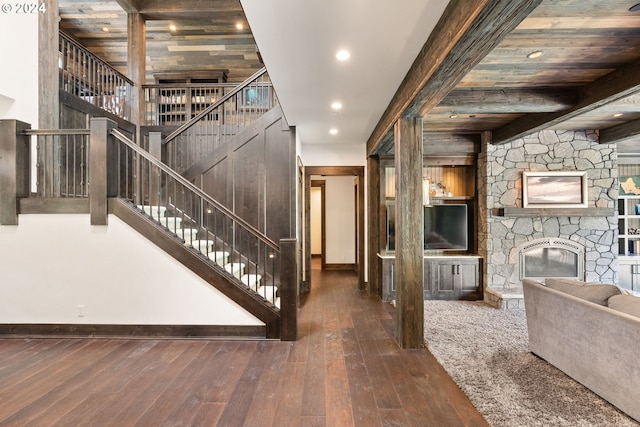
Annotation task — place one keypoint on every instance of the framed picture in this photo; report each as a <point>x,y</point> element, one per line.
<point>554,190</point>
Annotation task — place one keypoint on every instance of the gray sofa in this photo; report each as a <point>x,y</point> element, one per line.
<point>587,331</point>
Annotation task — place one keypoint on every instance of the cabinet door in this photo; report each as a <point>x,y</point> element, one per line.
<point>452,279</point>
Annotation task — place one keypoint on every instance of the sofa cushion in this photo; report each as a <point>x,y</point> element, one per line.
<point>625,303</point>
<point>598,293</point>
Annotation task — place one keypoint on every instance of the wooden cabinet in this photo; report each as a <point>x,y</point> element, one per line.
<point>445,277</point>
<point>452,278</point>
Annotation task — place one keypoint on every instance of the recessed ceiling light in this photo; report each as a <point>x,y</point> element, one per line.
<point>453,116</point>
<point>239,26</point>
<point>534,55</point>
<point>618,115</point>
<point>105,29</point>
<point>172,28</point>
<point>343,55</point>
<point>333,131</point>
<point>336,105</point>
<point>635,8</point>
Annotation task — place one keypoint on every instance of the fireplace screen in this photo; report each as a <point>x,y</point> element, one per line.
<point>552,258</point>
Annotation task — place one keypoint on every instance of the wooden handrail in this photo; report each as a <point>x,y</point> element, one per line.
<point>179,178</point>
<point>215,105</point>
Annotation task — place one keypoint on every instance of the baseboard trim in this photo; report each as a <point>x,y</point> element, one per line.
<point>350,267</point>
<point>14,330</point>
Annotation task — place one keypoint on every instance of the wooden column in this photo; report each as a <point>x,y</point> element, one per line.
<point>48,61</point>
<point>15,171</point>
<point>101,186</point>
<point>409,264</point>
<point>136,66</point>
<point>373,212</point>
<point>288,290</point>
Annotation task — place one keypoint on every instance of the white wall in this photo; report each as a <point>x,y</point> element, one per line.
<point>315,213</point>
<point>340,220</point>
<point>19,70</point>
<point>52,264</point>
<point>334,154</point>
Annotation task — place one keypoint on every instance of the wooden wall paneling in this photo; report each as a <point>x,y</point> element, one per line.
<point>279,195</point>
<point>248,169</point>
<point>375,221</point>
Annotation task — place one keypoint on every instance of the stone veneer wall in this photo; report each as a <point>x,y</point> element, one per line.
<point>500,170</point>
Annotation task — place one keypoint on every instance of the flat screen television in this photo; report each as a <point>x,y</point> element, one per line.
<point>445,227</point>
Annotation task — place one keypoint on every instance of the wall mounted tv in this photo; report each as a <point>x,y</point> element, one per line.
<point>445,227</point>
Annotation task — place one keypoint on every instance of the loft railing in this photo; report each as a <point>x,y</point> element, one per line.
<point>178,205</point>
<point>220,121</point>
<point>175,104</point>
<point>86,76</point>
<point>62,170</point>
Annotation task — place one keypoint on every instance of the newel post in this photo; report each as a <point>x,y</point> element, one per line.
<point>101,179</point>
<point>288,290</point>
<point>15,171</point>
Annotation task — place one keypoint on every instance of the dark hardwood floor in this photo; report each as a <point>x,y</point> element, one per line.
<point>345,370</point>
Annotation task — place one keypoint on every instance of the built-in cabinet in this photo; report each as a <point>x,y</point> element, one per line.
<point>445,277</point>
<point>629,223</point>
<point>453,272</point>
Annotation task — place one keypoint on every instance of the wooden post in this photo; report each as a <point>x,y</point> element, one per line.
<point>373,212</point>
<point>409,263</point>
<point>288,290</point>
<point>136,55</point>
<point>100,183</point>
<point>48,60</point>
<point>15,171</point>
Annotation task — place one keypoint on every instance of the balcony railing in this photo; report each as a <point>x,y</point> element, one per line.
<point>86,76</point>
<point>220,121</point>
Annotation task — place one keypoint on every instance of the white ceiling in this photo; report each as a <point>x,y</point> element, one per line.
<point>298,41</point>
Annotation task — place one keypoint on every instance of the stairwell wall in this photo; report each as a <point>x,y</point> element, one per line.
<point>60,269</point>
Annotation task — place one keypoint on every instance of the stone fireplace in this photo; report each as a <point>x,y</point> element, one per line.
<point>551,257</point>
<point>501,237</point>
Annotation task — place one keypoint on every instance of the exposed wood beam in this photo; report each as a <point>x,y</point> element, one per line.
<point>187,9</point>
<point>507,101</point>
<point>129,6</point>
<point>609,88</point>
<point>467,31</point>
<point>620,133</point>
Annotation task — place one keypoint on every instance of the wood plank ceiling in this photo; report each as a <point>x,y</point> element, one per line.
<point>587,77</point>
<point>206,37</point>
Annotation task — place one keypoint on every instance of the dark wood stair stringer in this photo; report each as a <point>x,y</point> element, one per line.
<point>198,263</point>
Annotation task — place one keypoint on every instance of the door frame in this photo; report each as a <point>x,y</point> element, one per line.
<point>358,172</point>
<point>323,220</point>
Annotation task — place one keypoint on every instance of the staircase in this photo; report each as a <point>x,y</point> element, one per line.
<point>237,267</point>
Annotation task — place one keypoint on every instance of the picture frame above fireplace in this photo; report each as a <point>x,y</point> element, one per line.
<point>560,189</point>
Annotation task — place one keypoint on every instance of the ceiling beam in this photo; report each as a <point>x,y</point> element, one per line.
<point>157,10</point>
<point>508,101</point>
<point>129,6</point>
<point>467,31</point>
<point>609,88</point>
<point>620,133</point>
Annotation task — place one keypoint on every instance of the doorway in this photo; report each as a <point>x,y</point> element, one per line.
<point>317,229</point>
<point>357,172</point>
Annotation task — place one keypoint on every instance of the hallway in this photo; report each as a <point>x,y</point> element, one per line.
<point>345,370</point>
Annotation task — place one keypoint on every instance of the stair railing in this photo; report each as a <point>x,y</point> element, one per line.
<point>220,121</point>
<point>88,77</point>
<point>179,206</point>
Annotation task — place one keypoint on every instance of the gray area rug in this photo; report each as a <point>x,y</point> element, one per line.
<point>485,351</point>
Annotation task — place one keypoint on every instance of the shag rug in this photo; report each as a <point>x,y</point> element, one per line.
<point>486,352</point>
